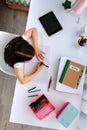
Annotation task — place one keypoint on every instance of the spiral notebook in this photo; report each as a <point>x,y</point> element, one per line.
<point>71,75</point>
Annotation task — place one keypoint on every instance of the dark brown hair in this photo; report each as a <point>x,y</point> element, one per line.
<point>18,50</point>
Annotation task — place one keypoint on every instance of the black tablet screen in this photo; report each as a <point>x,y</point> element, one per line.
<point>50,23</point>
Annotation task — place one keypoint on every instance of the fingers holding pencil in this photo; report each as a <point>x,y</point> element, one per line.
<point>44,64</point>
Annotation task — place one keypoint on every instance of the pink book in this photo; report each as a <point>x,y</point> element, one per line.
<point>42,107</point>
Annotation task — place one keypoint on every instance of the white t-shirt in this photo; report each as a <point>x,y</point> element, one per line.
<point>18,65</point>
<point>21,64</point>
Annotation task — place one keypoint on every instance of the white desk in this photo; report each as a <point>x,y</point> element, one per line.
<point>63,43</point>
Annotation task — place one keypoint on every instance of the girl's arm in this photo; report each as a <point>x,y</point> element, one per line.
<point>32,33</point>
<point>26,78</point>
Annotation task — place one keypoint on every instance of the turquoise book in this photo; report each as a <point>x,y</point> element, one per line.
<point>67,115</point>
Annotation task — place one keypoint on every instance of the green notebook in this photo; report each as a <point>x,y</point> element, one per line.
<point>68,115</point>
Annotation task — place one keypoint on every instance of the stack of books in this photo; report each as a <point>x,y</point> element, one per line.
<point>71,75</point>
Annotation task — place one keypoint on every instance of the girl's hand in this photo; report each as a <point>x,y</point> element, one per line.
<point>40,67</point>
<point>39,54</point>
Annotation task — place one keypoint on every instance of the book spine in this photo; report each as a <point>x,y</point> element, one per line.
<point>64,71</point>
<point>62,108</point>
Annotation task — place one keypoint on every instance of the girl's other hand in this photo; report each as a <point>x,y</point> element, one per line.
<point>40,55</point>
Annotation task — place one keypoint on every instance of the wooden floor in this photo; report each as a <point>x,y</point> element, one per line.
<point>14,22</point>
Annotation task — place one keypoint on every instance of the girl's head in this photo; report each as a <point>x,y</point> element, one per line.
<point>18,50</point>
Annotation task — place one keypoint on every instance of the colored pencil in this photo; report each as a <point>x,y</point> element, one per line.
<point>32,95</point>
<point>34,91</point>
<point>31,89</point>
<point>49,84</point>
<point>45,65</point>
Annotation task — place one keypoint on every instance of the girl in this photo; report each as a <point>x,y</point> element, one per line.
<point>18,50</point>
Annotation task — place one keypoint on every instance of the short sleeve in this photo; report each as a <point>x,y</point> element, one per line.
<point>27,39</point>
<point>18,65</point>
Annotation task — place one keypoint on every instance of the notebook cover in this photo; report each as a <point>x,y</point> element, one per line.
<point>72,74</point>
<point>61,109</point>
<point>68,115</point>
<point>50,23</point>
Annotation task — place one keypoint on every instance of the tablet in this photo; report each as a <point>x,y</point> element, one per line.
<point>50,23</point>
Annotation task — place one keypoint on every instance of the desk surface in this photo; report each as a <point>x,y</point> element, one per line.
<point>63,43</point>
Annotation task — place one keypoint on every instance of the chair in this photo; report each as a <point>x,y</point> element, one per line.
<point>5,37</point>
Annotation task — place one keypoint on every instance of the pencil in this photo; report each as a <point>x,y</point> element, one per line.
<point>32,95</point>
<point>49,84</point>
<point>34,91</point>
<point>44,64</point>
<point>31,89</point>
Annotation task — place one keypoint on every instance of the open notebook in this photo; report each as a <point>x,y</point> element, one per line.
<point>30,66</point>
